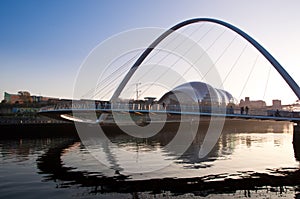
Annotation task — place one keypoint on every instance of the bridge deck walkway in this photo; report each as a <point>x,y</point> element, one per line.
<point>237,116</point>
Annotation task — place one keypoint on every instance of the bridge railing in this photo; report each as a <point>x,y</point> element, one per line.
<point>136,106</point>
<point>168,108</point>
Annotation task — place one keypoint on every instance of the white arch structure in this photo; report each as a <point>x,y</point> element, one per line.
<point>289,80</point>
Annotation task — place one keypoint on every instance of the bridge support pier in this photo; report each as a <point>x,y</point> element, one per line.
<point>297,127</point>
<point>296,140</point>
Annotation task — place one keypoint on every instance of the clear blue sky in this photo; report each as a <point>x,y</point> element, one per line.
<point>43,43</point>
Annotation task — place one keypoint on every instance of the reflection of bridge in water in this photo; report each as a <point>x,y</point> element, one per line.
<point>51,164</point>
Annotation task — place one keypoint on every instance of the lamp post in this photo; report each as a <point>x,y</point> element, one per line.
<point>137,90</point>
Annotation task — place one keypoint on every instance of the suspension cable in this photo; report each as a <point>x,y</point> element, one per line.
<point>265,91</point>
<point>161,49</point>
<point>212,66</point>
<point>249,76</point>
<point>183,55</point>
<point>109,79</point>
<point>121,72</point>
<point>233,66</point>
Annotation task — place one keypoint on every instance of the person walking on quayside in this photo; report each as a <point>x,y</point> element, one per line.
<point>247,110</point>
<point>242,110</point>
<point>231,110</point>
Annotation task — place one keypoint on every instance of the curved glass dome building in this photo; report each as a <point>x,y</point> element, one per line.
<point>196,93</point>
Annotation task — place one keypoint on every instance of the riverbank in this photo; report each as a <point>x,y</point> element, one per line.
<point>43,128</point>
<point>37,130</point>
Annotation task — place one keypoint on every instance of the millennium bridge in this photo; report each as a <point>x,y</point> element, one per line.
<point>114,106</point>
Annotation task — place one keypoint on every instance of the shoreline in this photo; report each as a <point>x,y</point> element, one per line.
<point>37,130</point>
<point>68,129</point>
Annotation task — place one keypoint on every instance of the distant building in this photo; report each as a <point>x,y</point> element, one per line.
<point>20,98</point>
<point>276,104</point>
<point>256,104</point>
<point>23,97</point>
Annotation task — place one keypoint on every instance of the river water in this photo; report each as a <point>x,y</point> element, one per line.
<point>251,159</point>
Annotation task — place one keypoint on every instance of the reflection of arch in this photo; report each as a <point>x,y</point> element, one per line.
<point>296,142</point>
<point>52,166</point>
<point>293,85</point>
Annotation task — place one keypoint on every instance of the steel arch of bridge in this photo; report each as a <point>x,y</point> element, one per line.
<point>289,80</point>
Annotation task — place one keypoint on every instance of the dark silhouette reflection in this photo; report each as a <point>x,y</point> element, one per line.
<point>37,130</point>
<point>51,165</point>
<point>296,142</point>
